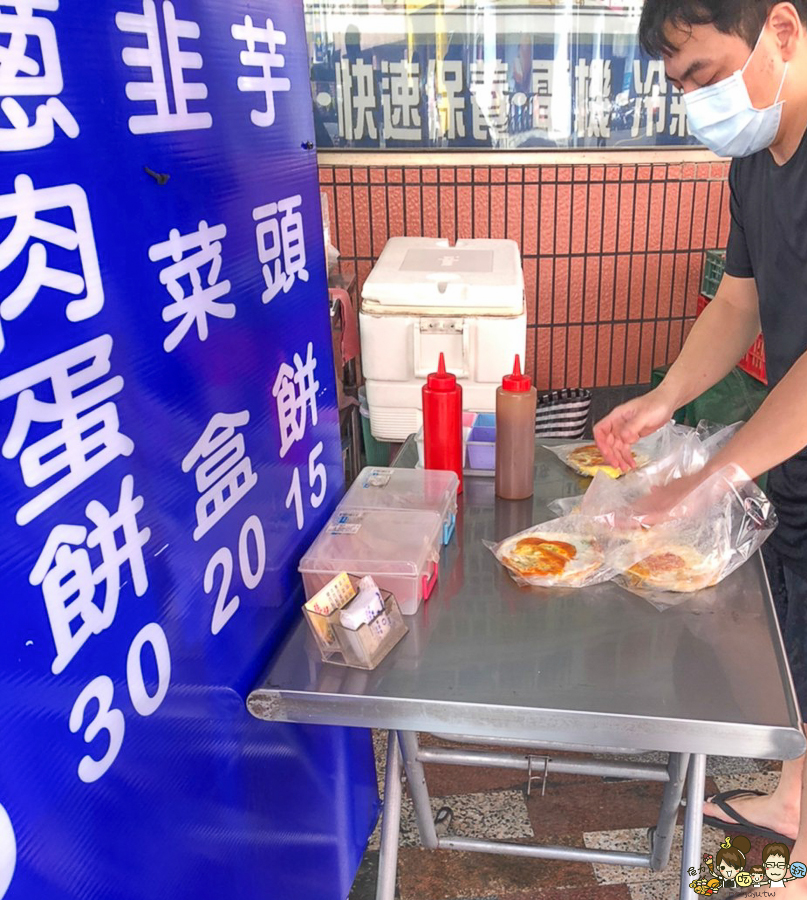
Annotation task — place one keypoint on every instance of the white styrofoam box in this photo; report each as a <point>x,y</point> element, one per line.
<point>416,272</point>
<point>425,297</point>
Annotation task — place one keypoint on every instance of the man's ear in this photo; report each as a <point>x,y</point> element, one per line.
<point>787,27</point>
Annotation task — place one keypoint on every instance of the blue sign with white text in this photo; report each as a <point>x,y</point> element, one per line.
<point>170,446</point>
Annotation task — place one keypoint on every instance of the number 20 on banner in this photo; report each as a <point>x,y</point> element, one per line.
<point>223,558</point>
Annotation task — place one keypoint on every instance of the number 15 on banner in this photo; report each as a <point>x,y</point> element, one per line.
<point>317,482</point>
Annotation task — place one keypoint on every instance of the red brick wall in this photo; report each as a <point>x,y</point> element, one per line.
<point>612,254</point>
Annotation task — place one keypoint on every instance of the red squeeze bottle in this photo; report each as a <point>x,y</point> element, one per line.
<point>442,421</point>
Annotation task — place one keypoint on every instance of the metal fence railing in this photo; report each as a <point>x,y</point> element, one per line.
<point>612,254</point>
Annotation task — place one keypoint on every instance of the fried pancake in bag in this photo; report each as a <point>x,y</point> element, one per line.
<point>553,558</point>
<point>588,461</point>
<point>677,567</point>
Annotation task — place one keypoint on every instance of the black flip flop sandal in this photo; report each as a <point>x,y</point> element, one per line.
<point>739,821</point>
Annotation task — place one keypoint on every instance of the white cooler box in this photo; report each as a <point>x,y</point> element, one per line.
<point>425,297</point>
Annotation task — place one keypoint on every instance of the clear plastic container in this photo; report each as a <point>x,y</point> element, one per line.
<point>363,647</point>
<point>399,548</point>
<point>383,488</point>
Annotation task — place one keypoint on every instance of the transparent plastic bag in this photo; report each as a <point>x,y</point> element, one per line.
<point>714,437</point>
<point>716,528</point>
<point>710,533</point>
<point>567,552</point>
<point>682,452</point>
<point>566,506</point>
<point>646,450</point>
<point>676,451</point>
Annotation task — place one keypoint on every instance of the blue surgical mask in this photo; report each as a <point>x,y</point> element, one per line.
<point>722,117</point>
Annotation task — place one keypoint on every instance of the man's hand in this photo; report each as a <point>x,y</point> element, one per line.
<point>624,425</point>
<point>676,500</point>
<point>687,497</point>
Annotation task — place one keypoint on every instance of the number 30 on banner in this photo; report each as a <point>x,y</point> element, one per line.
<point>102,690</point>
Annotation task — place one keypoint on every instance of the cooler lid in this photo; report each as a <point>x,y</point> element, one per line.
<point>472,276</point>
<point>387,488</point>
<point>376,542</point>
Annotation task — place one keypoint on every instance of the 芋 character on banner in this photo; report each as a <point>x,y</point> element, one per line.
<point>651,98</point>
<point>449,77</point>
<point>25,206</point>
<point>268,84</point>
<point>202,300</point>
<point>224,472</point>
<point>151,57</point>
<point>87,435</point>
<point>70,581</point>
<point>295,391</point>
<point>489,92</point>
<point>400,100</point>
<point>22,75</point>
<point>357,101</point>
<point>593,98</point>
<point>281,245</point>
<point>552,94</point>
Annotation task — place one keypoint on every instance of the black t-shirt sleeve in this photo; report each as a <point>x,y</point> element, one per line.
<point>738,260</point>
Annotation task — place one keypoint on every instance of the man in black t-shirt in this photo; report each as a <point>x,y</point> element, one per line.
<point>742,65</point>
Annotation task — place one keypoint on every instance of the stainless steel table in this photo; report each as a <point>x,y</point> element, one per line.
<point>594,670</point>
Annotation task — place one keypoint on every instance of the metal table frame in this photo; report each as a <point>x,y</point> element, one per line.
<point>404,755</point>
<point>593,671</point>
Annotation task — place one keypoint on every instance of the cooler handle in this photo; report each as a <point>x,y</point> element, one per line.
<point>424,369</point>
<point>430,581</point>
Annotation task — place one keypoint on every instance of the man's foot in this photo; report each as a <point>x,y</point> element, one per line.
<point>763,810</point>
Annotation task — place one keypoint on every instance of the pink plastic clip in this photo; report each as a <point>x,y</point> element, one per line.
<point>429,583</point>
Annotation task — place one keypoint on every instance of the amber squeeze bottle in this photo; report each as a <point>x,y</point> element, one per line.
<point>515,435</point>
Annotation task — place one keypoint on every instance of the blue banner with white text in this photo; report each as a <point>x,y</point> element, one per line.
<point>170,446</point>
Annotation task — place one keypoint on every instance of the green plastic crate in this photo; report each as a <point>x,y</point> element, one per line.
<point>733,399</point>
<point>713,270</point>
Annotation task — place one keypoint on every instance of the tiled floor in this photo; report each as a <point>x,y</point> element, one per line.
<point>574,811</point>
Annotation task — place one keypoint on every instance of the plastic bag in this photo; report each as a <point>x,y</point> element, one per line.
<point>676,451</point>
<point>566,506</point>
<point>713,530</point>
<point>567,552</point>
<point>646,450</point>
<point>718,527</point>
<point>687,452</point>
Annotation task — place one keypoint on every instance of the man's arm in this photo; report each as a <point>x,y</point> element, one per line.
<point>720,337</point>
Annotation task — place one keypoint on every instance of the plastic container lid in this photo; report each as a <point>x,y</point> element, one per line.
<point>378,488</point>
<point>376,542</point>
<point>516,382</point>
<point>428,275</point>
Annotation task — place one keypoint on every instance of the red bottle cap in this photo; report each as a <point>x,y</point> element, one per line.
<point>441,380</point>
<point>516,382</point>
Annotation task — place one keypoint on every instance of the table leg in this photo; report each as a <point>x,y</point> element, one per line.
<point>693,821</point>
<point>416,779</point>
<point>668,814</point>
<point>390,822</point>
